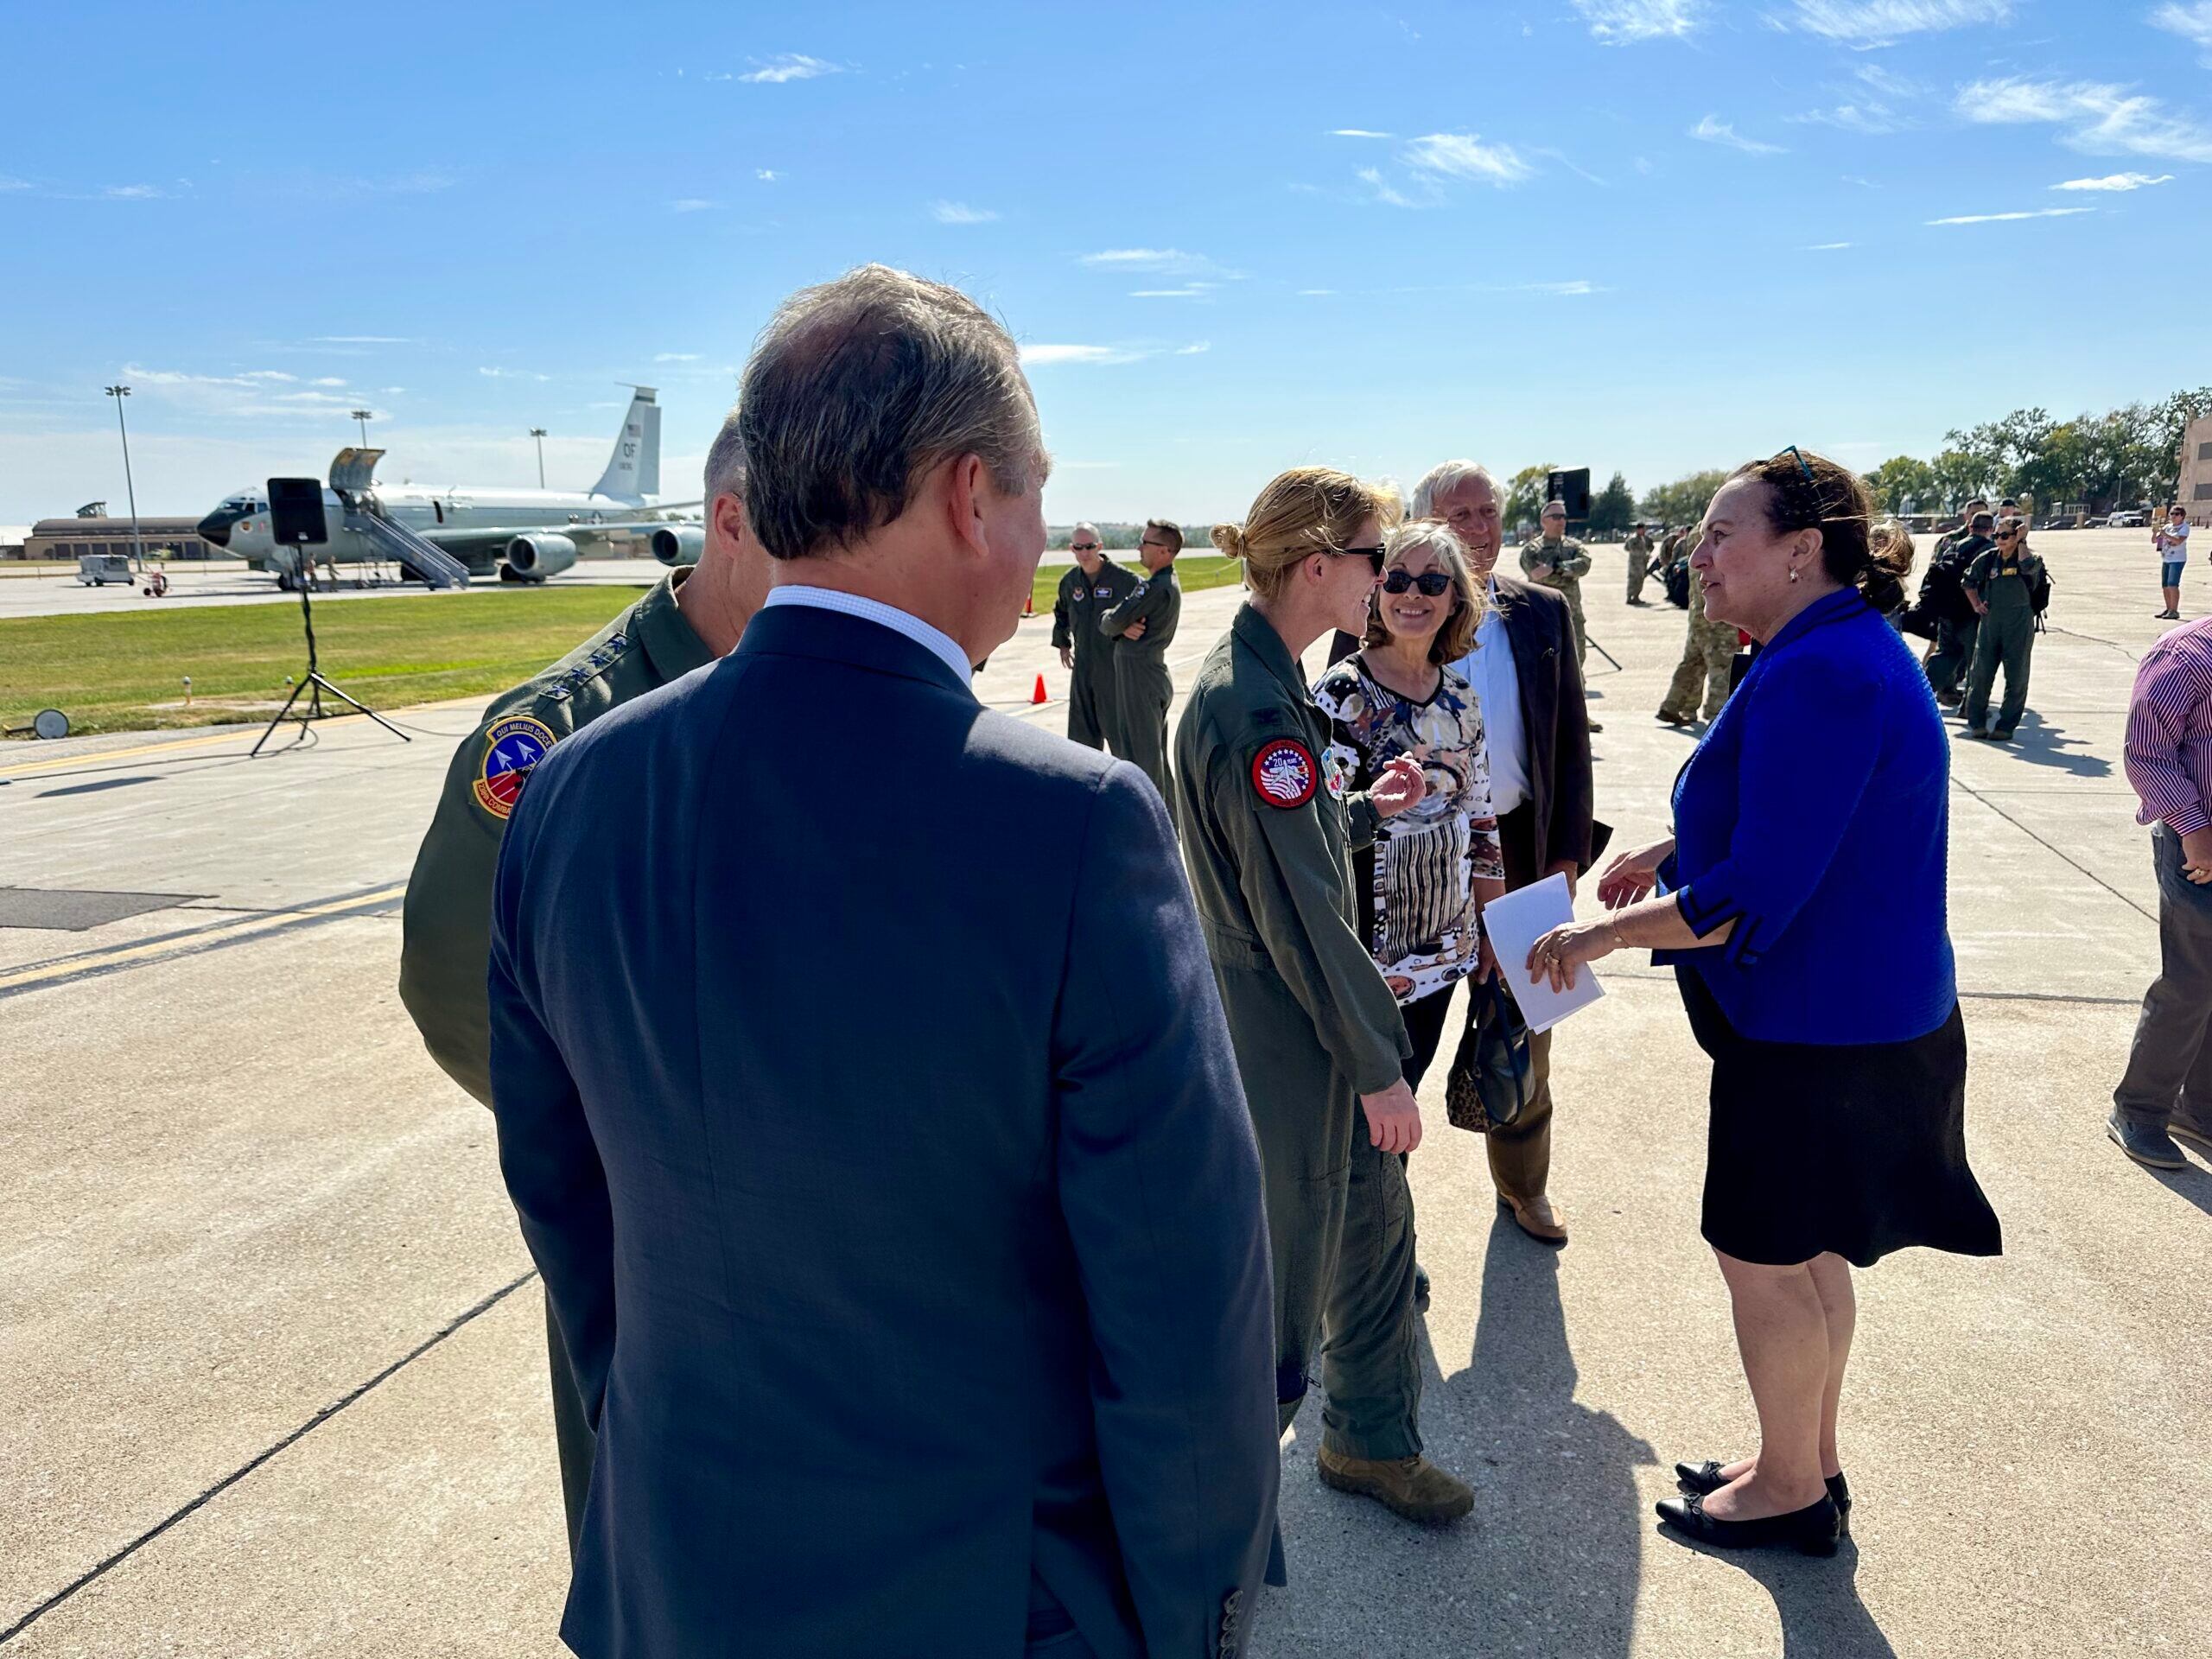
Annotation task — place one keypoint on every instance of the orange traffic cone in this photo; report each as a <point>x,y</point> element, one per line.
<point>1037,696</point>
<point>1029,606</point>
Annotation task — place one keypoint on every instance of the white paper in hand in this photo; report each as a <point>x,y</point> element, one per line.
<point>1514,923</point>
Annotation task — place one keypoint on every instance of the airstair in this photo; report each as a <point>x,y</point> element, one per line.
<point>413,553</point>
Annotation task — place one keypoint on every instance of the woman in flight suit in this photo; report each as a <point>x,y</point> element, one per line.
<point>1268,831</point>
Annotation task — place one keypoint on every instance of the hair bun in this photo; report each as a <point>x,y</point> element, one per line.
<point>1229,538</point>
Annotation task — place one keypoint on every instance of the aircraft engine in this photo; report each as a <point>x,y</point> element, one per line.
<point>680,544</point>
<point>536,557</point>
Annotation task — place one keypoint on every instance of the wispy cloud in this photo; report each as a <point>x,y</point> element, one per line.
<point>691,204</point>
<point>133,192</point>
<point>1828,247</point>
<point>252,393</point>
<point>1357,132</point>
<point>1874,115</point>
<point>512,374</point>
<point>2100,118</point>
<point>1569,290</point>
<point>1044,356</point>
<point>1188,291</point>
<point>959,213</point>
<point>767,174</point>
<point>1194,348</point>
<point>675,357</point>
<point>1624,22</point>
<point>2192,23</point>
<point>2116,181</point>
<point>325,381</point>
<point>1714,130</point>
<point>1166,262</point>
<point>1464,155</point>
<point>1388,194</point>
<point>791,66</point>
<point>359,340</point>
<point>1876,22</point>
<point>2007,219</point>
<point>9,181</point>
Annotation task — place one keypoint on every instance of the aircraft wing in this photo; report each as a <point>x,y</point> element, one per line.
<point>486,541</point>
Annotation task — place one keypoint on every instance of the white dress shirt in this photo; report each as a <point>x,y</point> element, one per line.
<point>1488,669</point>
<point>934,640</point>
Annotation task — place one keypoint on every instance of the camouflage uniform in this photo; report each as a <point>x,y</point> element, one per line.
<point>1568,564</point>
<point>1709,650</point>
<point>1638,548</point>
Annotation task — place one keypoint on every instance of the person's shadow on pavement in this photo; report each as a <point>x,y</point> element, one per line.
<point>1553,1559</point>
<point>1817,1600</point>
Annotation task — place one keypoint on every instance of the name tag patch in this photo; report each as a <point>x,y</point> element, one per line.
<point>1283,773</point>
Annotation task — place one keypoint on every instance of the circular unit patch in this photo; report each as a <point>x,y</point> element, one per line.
<point>1283,773</point>
<point>512,749</point>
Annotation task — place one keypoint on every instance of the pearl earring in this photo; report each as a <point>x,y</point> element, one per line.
<point>1793,573</point>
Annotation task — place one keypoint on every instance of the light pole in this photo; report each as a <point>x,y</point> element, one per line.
<point>138,547</point>
<point>538,432</point>
<point>365,416</point>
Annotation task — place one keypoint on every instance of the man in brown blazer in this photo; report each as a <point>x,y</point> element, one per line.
<point>1537,727</point>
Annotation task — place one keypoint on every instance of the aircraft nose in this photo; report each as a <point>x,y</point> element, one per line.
<point>217,528</point>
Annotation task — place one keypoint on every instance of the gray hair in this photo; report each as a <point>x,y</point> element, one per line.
<point>726,463</point>
<point>857,388</point>
<point>1444,479</point>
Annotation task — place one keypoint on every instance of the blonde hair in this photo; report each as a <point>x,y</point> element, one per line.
<point>1457,637</point>
<point>1305,511</point>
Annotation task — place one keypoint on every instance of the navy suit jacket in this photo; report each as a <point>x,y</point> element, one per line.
<point>867,1101</point>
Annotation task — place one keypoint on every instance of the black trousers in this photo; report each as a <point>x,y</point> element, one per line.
<point>1424,1019</point>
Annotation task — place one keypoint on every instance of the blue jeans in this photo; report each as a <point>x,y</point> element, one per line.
<point>2169,573</point>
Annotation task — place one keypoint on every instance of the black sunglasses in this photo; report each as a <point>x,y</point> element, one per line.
<point>1434,583</point>
<point>1374,556</point>
<point>1083,547</point>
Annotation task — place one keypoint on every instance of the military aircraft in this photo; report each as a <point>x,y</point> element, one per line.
<point>446,536</point>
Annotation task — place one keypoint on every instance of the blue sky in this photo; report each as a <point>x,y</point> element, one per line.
<point>1644,234</point>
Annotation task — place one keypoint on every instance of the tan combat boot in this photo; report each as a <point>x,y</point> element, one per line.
<point>1412,1487</point>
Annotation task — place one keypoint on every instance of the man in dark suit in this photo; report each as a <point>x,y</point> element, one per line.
<point>932,1319</point>
<point>1537,728</point>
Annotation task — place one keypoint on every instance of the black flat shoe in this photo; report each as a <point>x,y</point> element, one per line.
<point>1815,1529</point>
<point>1702,1479</point>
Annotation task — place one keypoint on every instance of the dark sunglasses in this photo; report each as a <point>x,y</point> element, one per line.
<point>1434,583</point>
<point>1083,547</point>
<point>1374,556</point>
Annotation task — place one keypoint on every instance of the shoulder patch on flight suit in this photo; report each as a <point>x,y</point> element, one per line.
<point>513,746</point>
<point>1283,773</point>
<point>1137,592</point>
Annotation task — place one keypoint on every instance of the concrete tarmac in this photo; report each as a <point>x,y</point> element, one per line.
<point>272,1366</point>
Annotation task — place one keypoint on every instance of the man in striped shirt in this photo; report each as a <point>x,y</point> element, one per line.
<point>2166,1094</point>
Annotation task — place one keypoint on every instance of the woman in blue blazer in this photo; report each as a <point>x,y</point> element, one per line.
<point>1800,899</point>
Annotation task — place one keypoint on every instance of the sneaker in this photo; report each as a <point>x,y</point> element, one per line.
<point>2153,1149</point>
<point>2002,735</point>
<point>1413,1488</point>
<point>2190,1135</point>
<point>1978,734</point>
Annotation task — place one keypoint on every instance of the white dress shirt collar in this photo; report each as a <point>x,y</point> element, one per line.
<point>936,641</point>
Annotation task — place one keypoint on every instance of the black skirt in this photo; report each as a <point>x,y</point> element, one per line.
<point>1858,1149</point>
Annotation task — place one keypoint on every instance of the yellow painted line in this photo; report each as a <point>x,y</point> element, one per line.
<point>88,755</point>
<point>221,933</point>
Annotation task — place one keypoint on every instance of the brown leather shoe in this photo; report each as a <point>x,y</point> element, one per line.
<point>1412,1487</point>
<point>1538,1217</point>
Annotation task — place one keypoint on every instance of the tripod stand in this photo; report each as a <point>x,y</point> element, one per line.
<point>316,682</point>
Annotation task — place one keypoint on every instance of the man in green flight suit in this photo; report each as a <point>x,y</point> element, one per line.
<point>1708,654</point>
<point>2001,585</point>
<point>1095,585</point>
<point>1140,628</point>
<point>1556,560</point>
<point>1638,548</point>
<point>691,617</point>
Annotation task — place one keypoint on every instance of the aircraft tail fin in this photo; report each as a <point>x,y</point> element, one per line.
<point>634,467</point>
